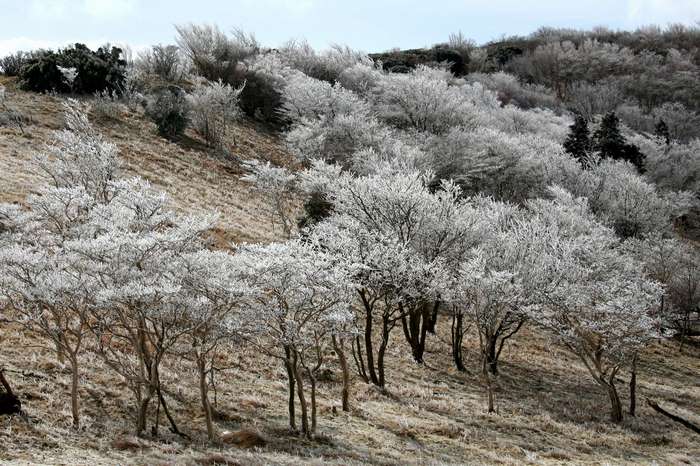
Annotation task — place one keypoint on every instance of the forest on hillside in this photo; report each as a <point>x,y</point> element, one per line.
<point>462,193</point>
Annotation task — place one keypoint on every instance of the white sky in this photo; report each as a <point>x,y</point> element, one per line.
<point>370,25</point>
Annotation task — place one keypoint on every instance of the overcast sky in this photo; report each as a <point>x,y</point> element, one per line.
<point>369,25</point>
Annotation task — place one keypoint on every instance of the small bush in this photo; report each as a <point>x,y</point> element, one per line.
<point>164,61</point>
<point>96,71</point>
<point>326,66</point>
<point>214,106</point>
<point>11,65</point>
<point>169,111</point>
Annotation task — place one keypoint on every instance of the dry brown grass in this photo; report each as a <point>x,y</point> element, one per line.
<point>549,410</point>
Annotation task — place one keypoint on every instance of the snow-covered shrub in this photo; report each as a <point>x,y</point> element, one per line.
<point>213,107</point>
<point>169,110</point>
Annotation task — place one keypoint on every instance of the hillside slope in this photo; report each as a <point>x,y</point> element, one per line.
<point>549,409</point>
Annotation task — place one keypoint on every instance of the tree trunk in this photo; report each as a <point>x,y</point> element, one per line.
<point>456,339</point>
<point>432,323</point>
<point>312,378</point>
<point>143,414</point>
<point>382,351</point>
<point>415,325</point>
<point>75,402</point>
<point>359,359</point>
<point>302,401</point>
<point>290,377</point>
<point>633,387</point>
<point>369,350</point>
<point>491,356</point>
<point>204,393</point>
<point>338,346</point>
<point>615,405</point>
<point>489,389</point>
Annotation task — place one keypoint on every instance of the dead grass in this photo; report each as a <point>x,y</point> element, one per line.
<point>549,410</point>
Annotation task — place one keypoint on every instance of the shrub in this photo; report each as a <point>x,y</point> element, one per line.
<point>11,65</point>
<point>403,61</point>
<point>164,61</point>
<point>214,106</point>
<point>41,74</point>
<point>424,100</point>
<point>266,77</point>
<point>511,91</point>
<point>214,55</point>
<point>326,66</point>
<point>169,111</point>
<point>97,71</point>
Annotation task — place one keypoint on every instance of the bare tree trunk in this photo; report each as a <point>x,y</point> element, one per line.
<point>74,397</point>
<point>204,393</point>
<point>291,378</point>
<point>302,401</point>
<point>432,323</point>
<point>359,359</point>
<point>415,325</point>
<point>615,405</point>
<point>338,346</point>
<point>633,387</point>
<point>382,351</point>
<point>312,377</point>
<point>143,414</point>
<point>488,380</point>
<point>456,339</point>
<point>491,358</point>
<point>369,350</point>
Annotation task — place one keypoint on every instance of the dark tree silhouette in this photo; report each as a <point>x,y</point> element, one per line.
<point>611,144</point>
<point>578,142</point>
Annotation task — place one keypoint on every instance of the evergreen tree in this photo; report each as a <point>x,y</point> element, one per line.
<point>610,143</point>
<point>578,142</point>
<point>607,139</point>
<point>661,130</point>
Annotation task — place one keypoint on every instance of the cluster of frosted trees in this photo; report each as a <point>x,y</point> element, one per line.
<point>426,201</point>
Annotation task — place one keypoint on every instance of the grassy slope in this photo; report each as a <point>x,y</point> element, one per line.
<point>550,412</point>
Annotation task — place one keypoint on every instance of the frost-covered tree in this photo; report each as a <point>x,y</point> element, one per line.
<point>389,279</point>
<point>213,108</point>
<point>509,167</point>
<point>673,166</point>
<point>491,281</point>
<point>592,296</point>
<point>329,122</point>
<point>279,187</point>
<point>423,100</point>
<point>298,297</point>
<point>49,284</point>
<point>397,210</point>
<point>676,264</point>
<point>212,291</point>
<point>625,201</point>
<point>136,246</point>
<point>327,65</point>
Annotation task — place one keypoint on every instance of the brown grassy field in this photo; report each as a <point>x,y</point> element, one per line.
<point>549,409</point>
